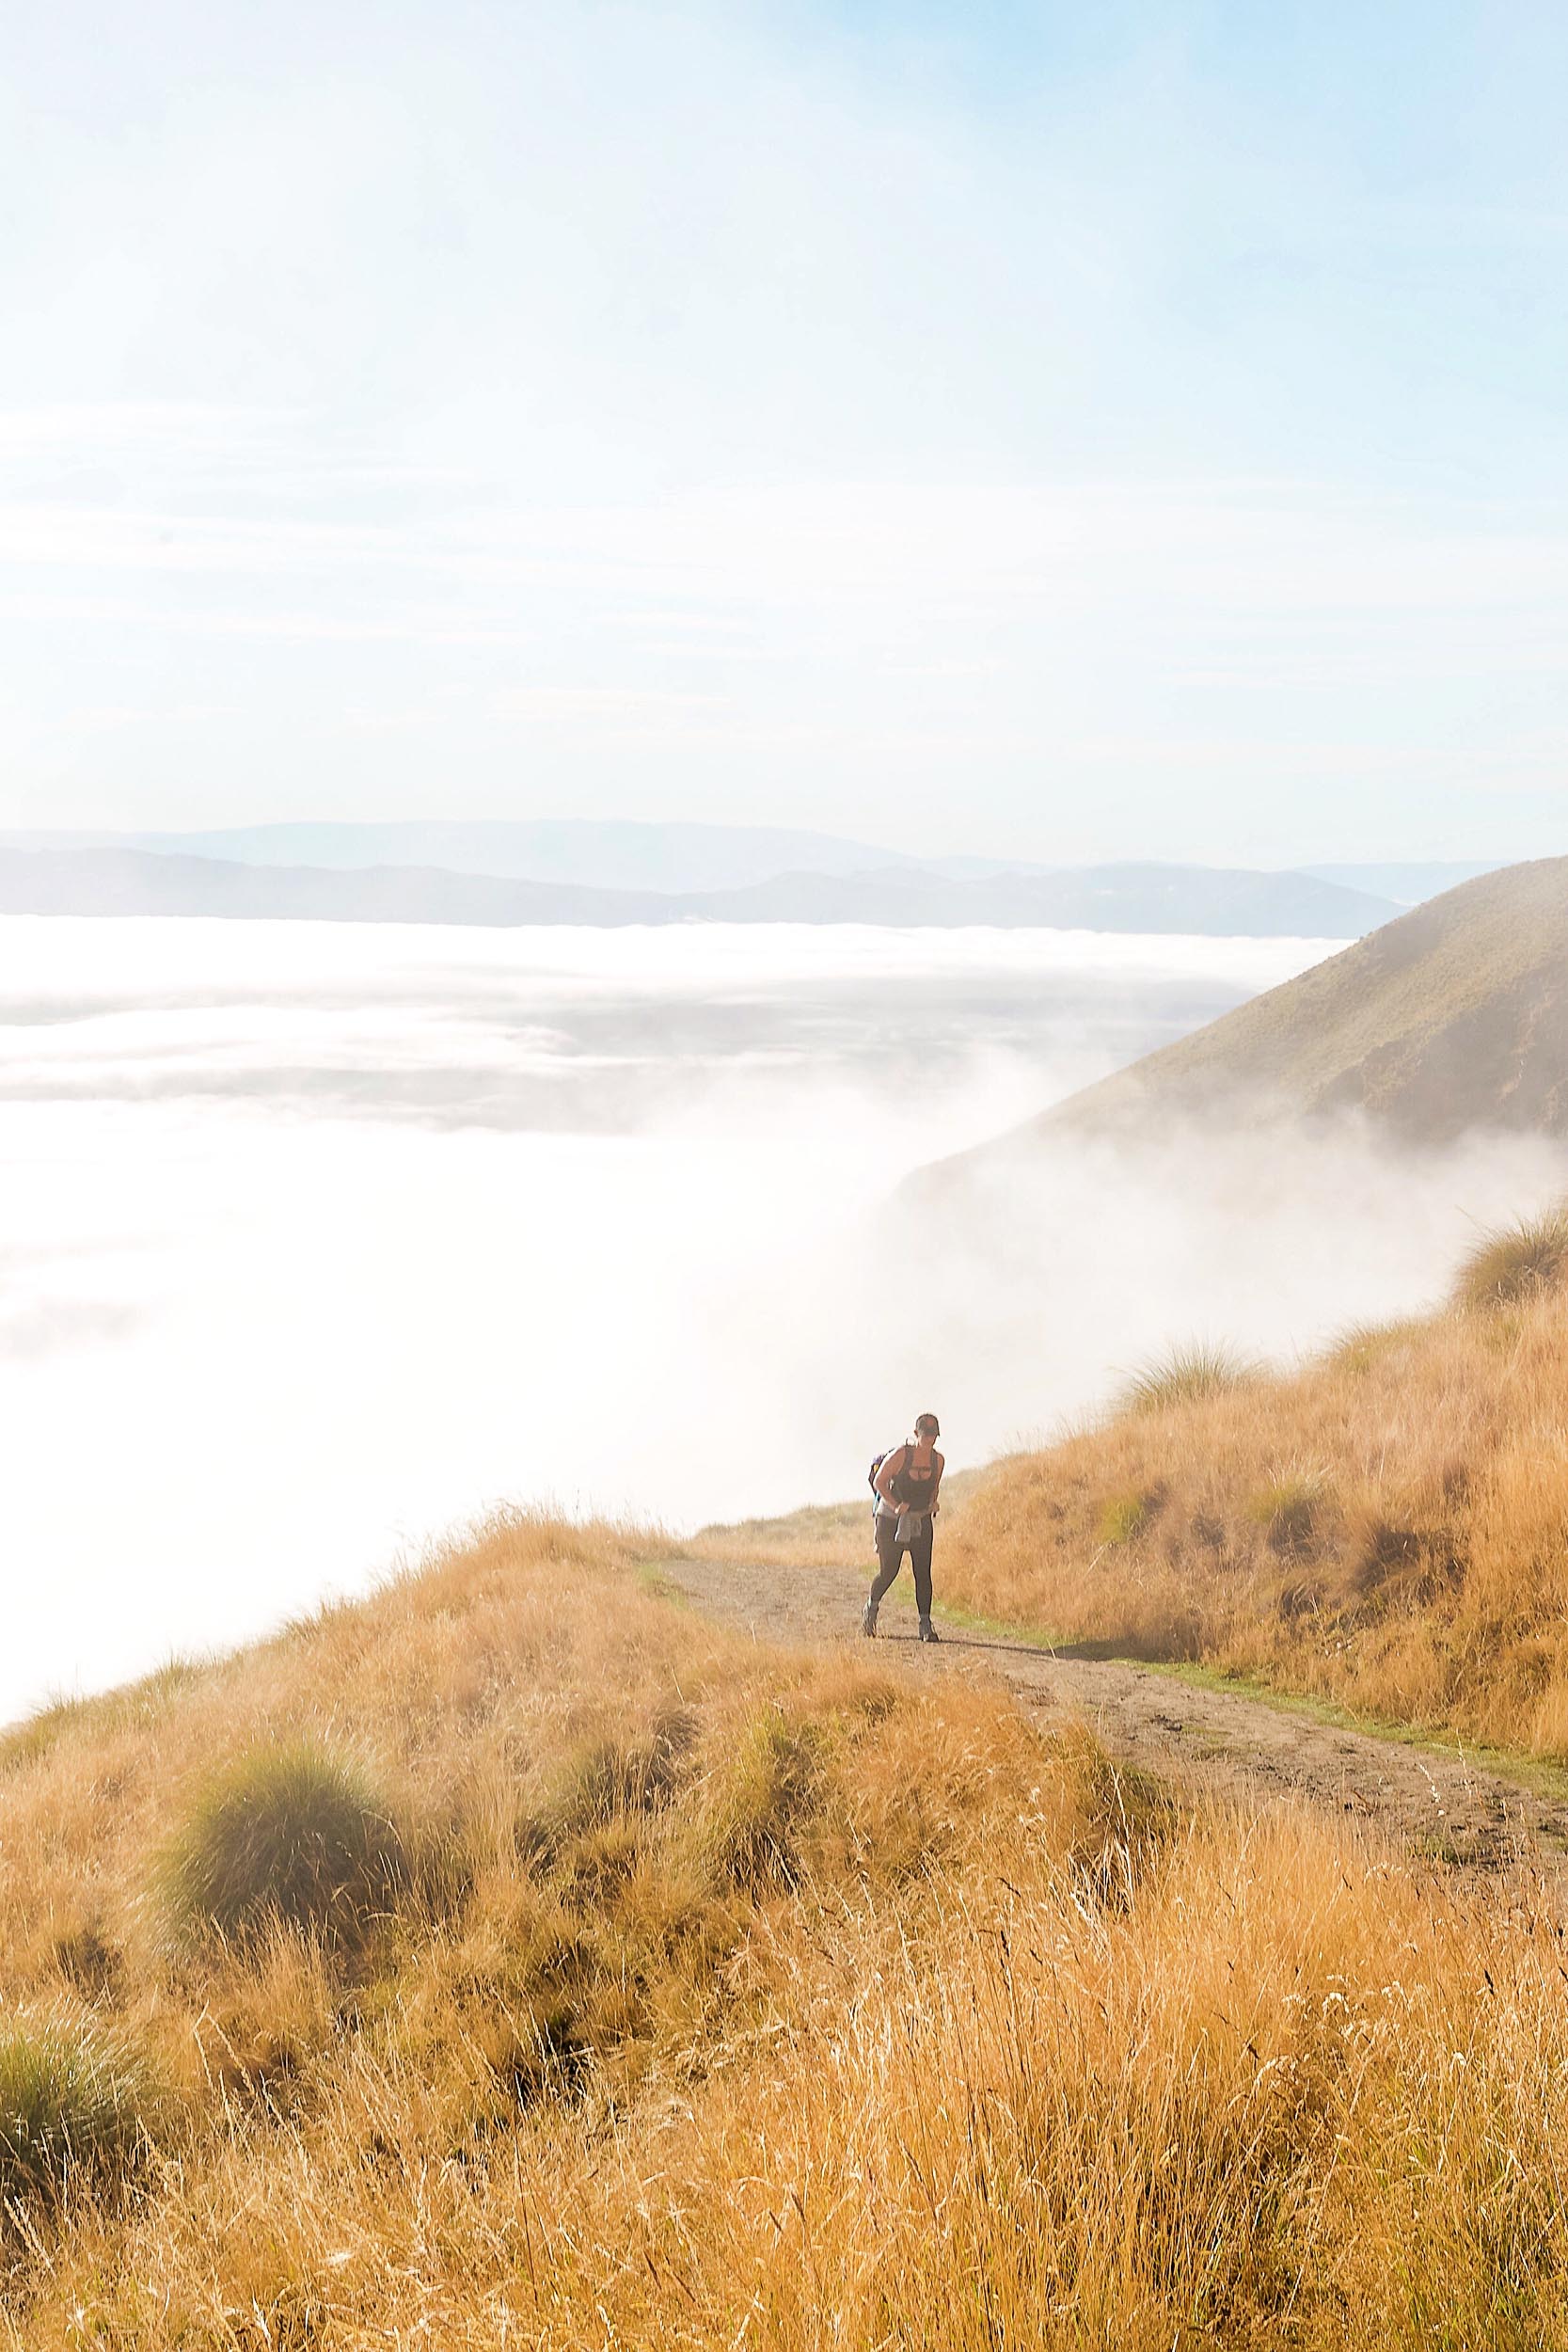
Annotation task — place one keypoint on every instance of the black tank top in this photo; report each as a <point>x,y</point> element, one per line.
<point>911,1485</point>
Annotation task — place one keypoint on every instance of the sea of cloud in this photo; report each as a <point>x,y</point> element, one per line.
<point>318,1239</point>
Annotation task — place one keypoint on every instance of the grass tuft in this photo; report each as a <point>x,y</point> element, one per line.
<point>1186,1376</point>
<point>1515,1265</point>
<point>289,1835</point>
<point>1363,1348</point>
<point>72,2106</point>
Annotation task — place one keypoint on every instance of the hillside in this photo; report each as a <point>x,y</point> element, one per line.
<point>1386,1528</point>
<point>515,1960</point>
<point>1453,1017</point>
<point>116,880</point>
<point>1410,882</point>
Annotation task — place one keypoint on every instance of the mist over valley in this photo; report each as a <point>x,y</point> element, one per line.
<point>322,1238</point>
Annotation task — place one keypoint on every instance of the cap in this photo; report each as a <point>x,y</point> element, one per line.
<point>928,1420</point>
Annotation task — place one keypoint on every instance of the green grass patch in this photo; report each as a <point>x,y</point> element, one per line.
<point>974,1621</point>
<point>1122,1518</point>
<point>1541,1776</point>
<point>654,1576</point>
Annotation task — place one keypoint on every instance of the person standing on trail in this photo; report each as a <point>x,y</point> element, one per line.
<point>905,1480</point>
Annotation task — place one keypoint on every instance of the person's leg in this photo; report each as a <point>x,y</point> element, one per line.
<point>889,1559</point>
<point>920,1561</point>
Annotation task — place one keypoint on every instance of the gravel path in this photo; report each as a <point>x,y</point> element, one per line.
<point>1241,1746</point>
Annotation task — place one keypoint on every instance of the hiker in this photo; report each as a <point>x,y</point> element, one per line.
<point>905,1480</point>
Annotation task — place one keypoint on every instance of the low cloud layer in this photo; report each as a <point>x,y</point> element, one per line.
<point>318,1241</point>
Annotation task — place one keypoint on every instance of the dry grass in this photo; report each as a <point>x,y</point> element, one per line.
<point>1388,1527</point>
<point>736,1998</point>
<point>76,2109</point>
<point>1519,1264</point>
<point>1186,1376</point>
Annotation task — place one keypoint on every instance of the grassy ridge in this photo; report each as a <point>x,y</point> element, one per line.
<point>728,1996</point>
<point>1386,1528</point>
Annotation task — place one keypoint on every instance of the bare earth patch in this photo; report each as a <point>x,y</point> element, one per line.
<point>1230,1743</point>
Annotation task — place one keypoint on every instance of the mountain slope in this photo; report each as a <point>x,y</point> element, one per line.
<point>1409,882</point>
<point>1384,1526</point>
<point>1453,1017</point>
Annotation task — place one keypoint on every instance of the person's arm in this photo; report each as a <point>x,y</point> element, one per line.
<point>890,1471</point>
<point>940,1462</point>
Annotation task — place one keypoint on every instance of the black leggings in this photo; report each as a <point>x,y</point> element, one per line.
<point>890,1559</point>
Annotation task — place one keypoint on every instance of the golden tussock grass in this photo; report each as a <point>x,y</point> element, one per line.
<point>1386,1527</point>
<point>727,1997</point>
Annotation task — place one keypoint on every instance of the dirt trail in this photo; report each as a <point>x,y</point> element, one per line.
<point>1241,1746</point>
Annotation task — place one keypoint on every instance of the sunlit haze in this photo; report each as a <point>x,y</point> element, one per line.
<point>1054,433</point>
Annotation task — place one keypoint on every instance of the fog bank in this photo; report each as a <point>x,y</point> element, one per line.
<point>317,1242</point>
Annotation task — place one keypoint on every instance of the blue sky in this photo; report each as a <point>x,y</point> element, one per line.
<point>1073,431</point>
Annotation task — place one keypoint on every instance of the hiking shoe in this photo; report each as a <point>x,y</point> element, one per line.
<point>927,1630</point>
<point>868,1622</point>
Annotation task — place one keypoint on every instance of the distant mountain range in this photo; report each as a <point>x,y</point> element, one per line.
<point>579,853</point>
<point>112,879</point>
<point>1454,1017</point>
<point>680,859</point>
<point>582,871</point>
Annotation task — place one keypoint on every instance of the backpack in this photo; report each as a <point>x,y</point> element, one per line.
<point>871,1475</point>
